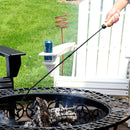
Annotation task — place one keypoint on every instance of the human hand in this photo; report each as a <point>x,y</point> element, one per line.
<point>112,17</point>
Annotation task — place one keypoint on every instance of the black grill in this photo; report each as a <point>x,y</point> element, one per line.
<point>93,110</point>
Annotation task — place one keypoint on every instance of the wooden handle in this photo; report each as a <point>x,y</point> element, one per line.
<point>115,16</point>
<point>107,23</point>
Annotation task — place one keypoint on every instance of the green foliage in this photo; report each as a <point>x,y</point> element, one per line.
<point>25,25</point>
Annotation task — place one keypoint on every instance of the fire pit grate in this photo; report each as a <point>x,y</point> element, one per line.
<point>64,108</point>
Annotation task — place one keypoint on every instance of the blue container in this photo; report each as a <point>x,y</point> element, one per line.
<point>48,46</point>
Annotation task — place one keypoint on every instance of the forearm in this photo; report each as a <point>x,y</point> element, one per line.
<point>114,13</point>
<point>120,4</point>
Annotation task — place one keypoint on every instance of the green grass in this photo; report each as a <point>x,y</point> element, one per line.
<point>25,25</point>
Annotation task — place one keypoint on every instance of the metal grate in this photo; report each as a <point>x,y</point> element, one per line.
<point>110,110</point>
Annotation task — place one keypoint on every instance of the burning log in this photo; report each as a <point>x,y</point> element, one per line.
<point>64,116</point>
<point>41,116</point>
<point>44,117</point>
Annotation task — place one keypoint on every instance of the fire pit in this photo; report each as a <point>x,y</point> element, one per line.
<point>61,108</point>
<point>54,108</point>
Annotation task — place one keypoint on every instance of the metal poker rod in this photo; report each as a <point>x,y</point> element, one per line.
<point>102,27</point>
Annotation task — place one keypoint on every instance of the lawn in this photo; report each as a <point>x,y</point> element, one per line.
<point>25,25</point>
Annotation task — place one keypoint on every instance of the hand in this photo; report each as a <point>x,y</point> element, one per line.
<point>112,17</point>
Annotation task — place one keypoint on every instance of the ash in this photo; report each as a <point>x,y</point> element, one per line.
<point>44,117</point>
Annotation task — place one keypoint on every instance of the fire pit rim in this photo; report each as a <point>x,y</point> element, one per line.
<point>91,125</point>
